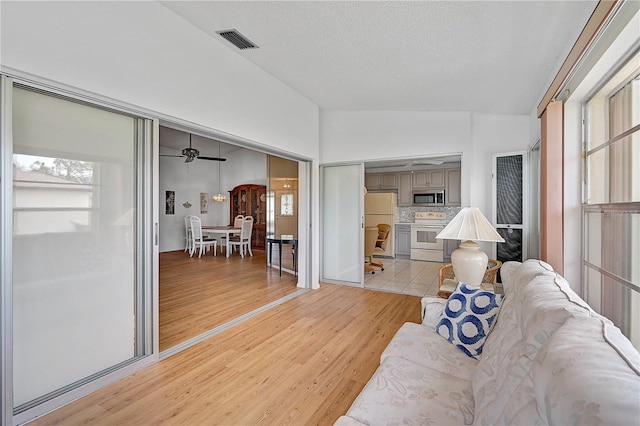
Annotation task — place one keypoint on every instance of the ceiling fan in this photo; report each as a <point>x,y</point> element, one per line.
<point>434,162</point>
<point>189,154</point>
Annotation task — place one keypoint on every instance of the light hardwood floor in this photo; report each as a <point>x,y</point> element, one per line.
<point>301,363</point>
<point>199,294</point>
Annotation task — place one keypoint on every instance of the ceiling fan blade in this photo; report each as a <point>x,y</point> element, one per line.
<point>171,155</point>
<point>431,162</point>
<point>200,157</point>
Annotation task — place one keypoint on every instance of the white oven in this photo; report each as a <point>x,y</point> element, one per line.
<point>424,245</point>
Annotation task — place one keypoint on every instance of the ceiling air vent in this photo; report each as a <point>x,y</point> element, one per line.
<point>238,40</point>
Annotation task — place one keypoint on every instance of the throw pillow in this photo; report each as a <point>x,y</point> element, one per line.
<point>468,318</point>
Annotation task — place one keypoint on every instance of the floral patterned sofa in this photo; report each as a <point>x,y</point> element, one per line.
<point>549,359</point>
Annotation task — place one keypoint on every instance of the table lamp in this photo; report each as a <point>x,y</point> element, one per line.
<point>469,262</point>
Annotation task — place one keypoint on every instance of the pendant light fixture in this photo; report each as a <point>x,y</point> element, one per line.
<point>219,198</point>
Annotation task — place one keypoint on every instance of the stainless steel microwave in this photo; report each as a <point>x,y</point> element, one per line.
<point>429,197</point>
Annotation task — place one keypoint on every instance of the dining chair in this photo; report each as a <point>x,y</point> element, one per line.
<point>199,240</point>
<point>187,232</point>
<point>243,242</point>
<point>222,240</point>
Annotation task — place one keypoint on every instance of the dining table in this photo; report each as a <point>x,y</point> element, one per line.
<point>284,239</point>
<point>227,231</point>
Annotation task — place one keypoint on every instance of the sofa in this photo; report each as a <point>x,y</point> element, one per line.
<point>548,359</point>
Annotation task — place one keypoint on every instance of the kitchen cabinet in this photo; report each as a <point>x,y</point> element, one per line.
<point>449,247</point>
<point>405,194</point>
<point>453,194</point>
<point>403,240</point>
<point>428,178</point>
<point>385,181</point>
<point>250,200</point>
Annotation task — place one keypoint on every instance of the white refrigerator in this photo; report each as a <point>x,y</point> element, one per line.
<point>382,207</point>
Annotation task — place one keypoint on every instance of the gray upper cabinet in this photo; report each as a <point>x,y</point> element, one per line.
<point>453,195</point>
<point>385,181</point>
<point>405,197</point>
<point>429,178</point>
<point>406,182</point>
<point>372,180</point>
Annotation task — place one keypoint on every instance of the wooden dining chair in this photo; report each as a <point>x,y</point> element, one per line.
<point>198,240</point>
<point>187,232</point>
<point>243,241</point>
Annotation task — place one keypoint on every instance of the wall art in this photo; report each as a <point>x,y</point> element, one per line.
<point>204,202</point>
<point>170,204</point>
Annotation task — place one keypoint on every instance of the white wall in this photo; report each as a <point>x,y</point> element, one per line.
<point>373,135</point>
<point>347,136</point>
<point>143,54</point>
<point>572,195</point>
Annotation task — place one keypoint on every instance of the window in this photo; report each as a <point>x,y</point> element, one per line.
<point>286,205</point>
<point>52,194</point>
<point>611,206</point>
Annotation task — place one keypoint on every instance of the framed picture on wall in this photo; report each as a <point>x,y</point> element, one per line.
<point>170,206</point>
<point>204,202</point>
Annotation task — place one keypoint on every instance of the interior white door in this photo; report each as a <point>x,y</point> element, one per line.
<point>342,206</point>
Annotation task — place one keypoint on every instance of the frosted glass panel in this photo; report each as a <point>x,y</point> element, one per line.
<point>612,242</point>
<point>593,285</point>
<point>74,260</point>
<point>593,238</point>
<point>341,214</point>
<point>614,172</point>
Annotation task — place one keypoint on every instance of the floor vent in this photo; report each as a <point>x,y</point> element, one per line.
<point>238,40</point>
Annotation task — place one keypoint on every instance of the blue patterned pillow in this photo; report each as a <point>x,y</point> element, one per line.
<point>468,318</point>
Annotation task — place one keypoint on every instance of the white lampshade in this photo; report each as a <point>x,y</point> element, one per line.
<point>469,262</point>
<point>470,224</point>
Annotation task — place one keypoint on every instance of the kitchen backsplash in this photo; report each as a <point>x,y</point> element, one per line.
<point>407,214</point>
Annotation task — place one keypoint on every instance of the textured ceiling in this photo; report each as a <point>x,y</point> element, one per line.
<point>480,56</point>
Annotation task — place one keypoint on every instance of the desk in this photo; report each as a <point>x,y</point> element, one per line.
<point>280,242</point>
<point>228,231</point>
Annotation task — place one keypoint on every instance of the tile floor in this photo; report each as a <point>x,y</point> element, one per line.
<point>405,276</point>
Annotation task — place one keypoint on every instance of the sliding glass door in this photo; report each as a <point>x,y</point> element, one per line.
<point>342,224</point>
<point>80,303</point>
